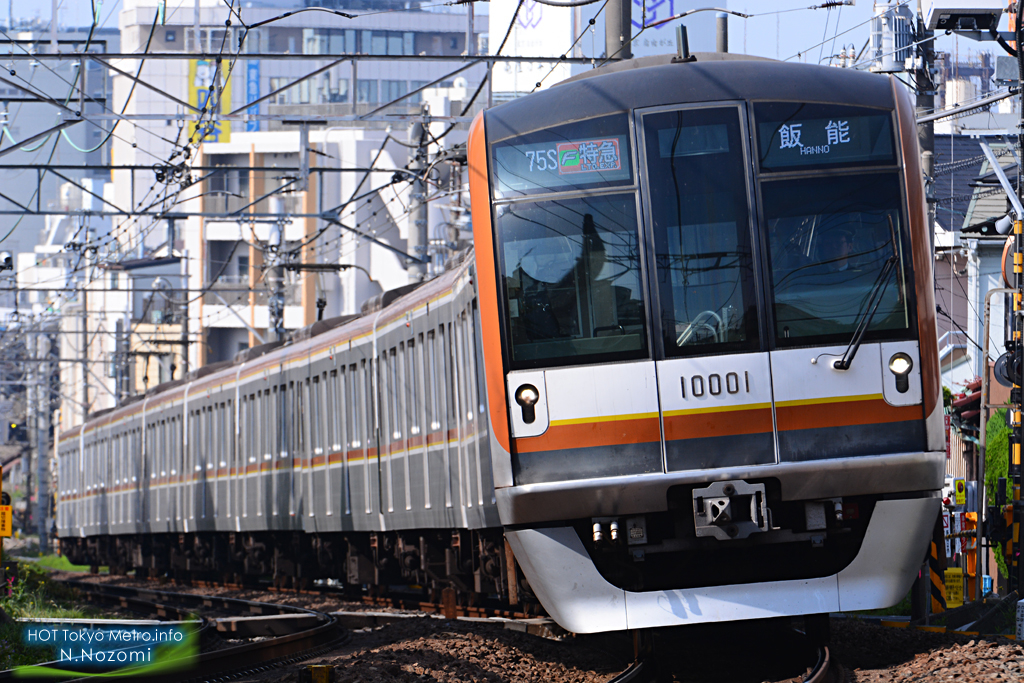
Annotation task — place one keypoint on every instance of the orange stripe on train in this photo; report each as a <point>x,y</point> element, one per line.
<point>843,414</point>
<point>591,434</point>
<point>726,423</point>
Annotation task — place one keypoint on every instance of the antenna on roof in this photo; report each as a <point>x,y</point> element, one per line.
<point>682,46</point>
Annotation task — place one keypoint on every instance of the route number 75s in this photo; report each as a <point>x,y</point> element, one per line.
<point>546,160</point>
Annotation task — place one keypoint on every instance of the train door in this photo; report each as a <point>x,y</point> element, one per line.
<point>713,380</point>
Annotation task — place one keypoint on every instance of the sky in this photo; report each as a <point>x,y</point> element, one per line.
<point>779,29</point>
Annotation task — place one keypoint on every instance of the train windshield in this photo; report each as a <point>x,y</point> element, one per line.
<point>572,277</point>
<point>830,240</point>
<point>699,211</point>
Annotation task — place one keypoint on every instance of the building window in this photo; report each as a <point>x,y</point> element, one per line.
<point>392,90</point>
<point>367,92</point>
<point>170,36</point>
<point>285,96</point>
<point>418,97</point>
<point>385,42</point>
<point>339,92</point>
<point>243,266</point>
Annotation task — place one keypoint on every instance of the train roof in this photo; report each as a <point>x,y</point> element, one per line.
<point>651,82</point>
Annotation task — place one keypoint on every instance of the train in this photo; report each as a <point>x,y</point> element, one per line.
<point>687,373</point>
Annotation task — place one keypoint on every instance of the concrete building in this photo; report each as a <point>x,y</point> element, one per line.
<point>225,319</point>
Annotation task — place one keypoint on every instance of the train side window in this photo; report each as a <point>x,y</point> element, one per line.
<point>339,441</point>
<point>366,416</point>
<point>228,418</point>
<point>412,399</point>
<point>354,420</point>
<point>433,379</point>
<point>701,223</point>
<point>316,427</point>
<point>330,408</point>
<point>448,355</point>
<point>395,395</point>
<point>571,275</point>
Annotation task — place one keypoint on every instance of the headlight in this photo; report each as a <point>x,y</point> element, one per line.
<point>527,395</point>
<point>901,364</point>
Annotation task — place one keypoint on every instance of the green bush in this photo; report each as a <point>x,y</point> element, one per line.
<point>997,464</point>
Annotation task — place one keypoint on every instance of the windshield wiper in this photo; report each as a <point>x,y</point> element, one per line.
<point>874,300</point>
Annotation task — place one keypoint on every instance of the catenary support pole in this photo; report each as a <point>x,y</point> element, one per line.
<point>618,29</point>
<point>925,105</point>
<point>982,440</point>
<point>42,446</point>
<point>418,226</point>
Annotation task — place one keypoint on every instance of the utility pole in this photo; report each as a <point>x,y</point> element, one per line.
<point>926,104</point>
<point>418,225</point>
<point>33,436</point>
<point>184,315</point>
<point>84,350</point>
<point>721,32</point>
<point>470,30</point>
<point>275,274</point>
<point>42,443</point>
<point>618,15</point>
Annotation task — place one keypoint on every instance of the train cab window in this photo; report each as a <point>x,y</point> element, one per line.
<point>701,224</point>
<point>835,246</point>
<point>572,279</point>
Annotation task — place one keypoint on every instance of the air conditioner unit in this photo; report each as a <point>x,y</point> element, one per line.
<point>962,15</point>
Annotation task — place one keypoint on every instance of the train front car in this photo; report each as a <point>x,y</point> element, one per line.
<point>707,312</point>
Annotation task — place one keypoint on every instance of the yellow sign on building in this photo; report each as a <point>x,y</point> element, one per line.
<point>961,492</point>
<point>200,75</point>
<point>954,580</point>
<point>6,521</point>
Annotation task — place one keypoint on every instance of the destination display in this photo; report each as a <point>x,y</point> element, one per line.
<point>584,155</point>
<point>815,135</point>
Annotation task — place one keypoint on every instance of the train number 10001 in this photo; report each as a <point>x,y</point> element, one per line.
<point>715,384</point>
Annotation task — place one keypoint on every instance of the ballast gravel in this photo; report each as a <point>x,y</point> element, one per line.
<point>432,650</point>
<point>870,652</point>
<point>435,650</point>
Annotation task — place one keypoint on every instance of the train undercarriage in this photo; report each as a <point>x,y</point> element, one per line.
<point>475,563</point>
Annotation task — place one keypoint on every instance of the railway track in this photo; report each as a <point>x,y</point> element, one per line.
<point>286,634</point>
<point>659,662</point>
<point>448,608</point>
